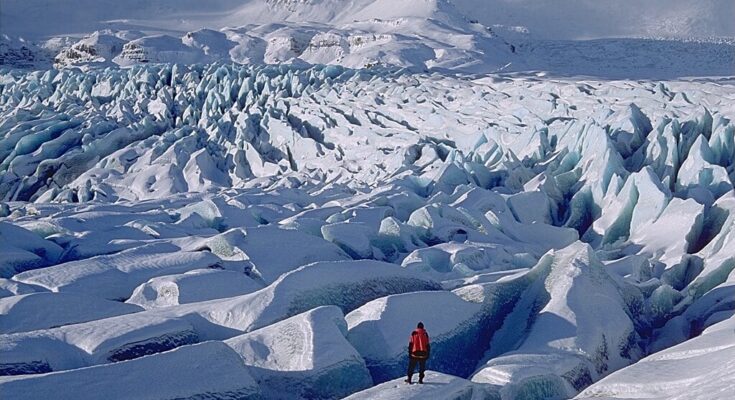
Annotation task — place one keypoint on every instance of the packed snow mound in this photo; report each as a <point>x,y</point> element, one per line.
<point>115,277</point>
<point>436,386</point>
<point>34,311</point>
<point>25,250</point>
<point>700,368</point>
<point>253,245</point>
<point>9,287</point>
<point>345,284</point>
<point>305,356</point>
<point>206,370</point>
<point>191,287</point>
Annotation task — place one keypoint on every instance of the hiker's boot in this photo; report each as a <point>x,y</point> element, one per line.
<point>408,380</point>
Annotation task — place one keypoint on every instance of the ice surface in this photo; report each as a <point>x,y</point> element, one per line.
<point>347,284</point>
<point>379,330</point>
<point>547,231</point>
<point>437,386</point>
<point>30,312</point>
<point>190,287</point>
<point>206,370</point>
<point>91,343</point>
<point>305,356</point>
<point>115,277</point>
<point>697,369</point>
<point>566,342</point>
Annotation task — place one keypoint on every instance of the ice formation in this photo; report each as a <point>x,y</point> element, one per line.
<point>278,230</point>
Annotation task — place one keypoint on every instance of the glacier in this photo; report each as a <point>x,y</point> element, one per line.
<point>275,231</point>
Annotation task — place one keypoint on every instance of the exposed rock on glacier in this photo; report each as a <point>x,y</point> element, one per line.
<point>305,356</point>
<point>97,48</point>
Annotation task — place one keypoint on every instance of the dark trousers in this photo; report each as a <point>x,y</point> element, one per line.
<point>412,366</point>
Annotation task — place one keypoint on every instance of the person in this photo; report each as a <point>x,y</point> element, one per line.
<point>419,350</point>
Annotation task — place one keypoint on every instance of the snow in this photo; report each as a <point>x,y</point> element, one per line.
<point>24,250</point>
<point>92,343</point>
<point>700,368</point>
<point>204,370</point>
<point>305,356</point>
<point>655,39</point>
<point>115,277</point>
<point>346,284</point>
<point>30,312</point>
<point>565,342</point>
<point>379,330</point>
<point>436,386</point>
<point>191,287</point>
<point>253,245</point>
<point>277,228</point>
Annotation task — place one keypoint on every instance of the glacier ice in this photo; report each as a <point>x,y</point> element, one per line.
<point>441,386</point>
<point>305,356</point>
<point>42,310</point>
<point>257,205</point>
<point>379,330</point>
<point>698,368</point>
<point>206,370</point>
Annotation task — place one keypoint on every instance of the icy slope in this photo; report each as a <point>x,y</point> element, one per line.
<point>207,370</point>
<point>547,232</point>
<point>698,369</point>
<point>308,357</point>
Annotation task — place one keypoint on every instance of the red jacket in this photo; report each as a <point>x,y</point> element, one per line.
<point>418,344</point>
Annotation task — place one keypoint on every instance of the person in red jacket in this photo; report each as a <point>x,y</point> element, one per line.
<point>419,350</point>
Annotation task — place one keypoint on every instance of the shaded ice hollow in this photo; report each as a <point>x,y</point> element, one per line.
<point>276,231</point>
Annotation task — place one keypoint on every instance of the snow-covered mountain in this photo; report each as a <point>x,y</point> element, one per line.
<point>566,19</point>
<point>439,35</point>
